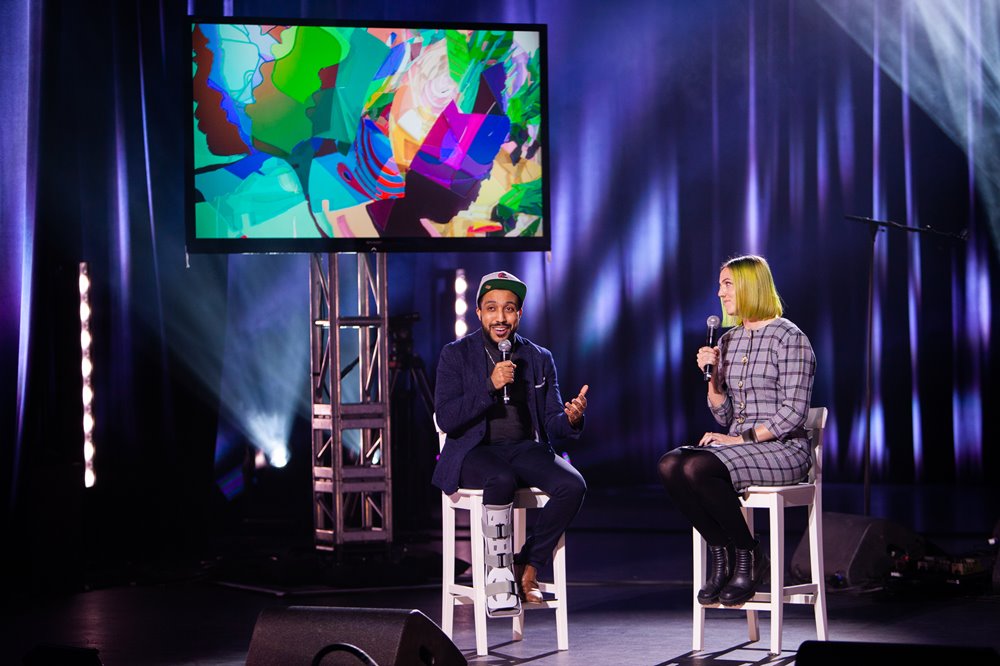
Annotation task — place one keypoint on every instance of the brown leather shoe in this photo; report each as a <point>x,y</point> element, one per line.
<point>529,585</point>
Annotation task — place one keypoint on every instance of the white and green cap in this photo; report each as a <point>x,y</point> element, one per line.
<point>502,280</point>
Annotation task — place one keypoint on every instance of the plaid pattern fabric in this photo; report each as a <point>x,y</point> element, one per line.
<point>768,377</point>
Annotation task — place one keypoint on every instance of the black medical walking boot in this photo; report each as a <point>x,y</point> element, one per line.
<point>719,572</point>
<point>749,571</point>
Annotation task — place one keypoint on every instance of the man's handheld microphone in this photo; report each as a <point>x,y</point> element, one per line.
<point>713,324</point>
<point>504,347</point>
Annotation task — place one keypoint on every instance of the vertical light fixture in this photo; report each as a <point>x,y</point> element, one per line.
<point>86,370</point>
<point>461,305</point>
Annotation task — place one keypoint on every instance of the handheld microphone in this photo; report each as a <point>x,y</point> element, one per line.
<point>504,347</point>
<point>712,323</point>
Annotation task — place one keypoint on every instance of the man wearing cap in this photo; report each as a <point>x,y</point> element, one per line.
<point>497,398</point>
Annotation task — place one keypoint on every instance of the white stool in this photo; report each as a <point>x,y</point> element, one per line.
<point>775,499</point>
<point>453,593</point>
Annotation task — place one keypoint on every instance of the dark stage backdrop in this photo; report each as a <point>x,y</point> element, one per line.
<point>681,133</point>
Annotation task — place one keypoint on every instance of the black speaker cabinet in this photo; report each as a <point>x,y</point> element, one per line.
<point>61,655</point>
<point>857,550</point>
<point>996,575</point>
<point>838,653</point>
<point>298,635</point>
<point>996,562</point>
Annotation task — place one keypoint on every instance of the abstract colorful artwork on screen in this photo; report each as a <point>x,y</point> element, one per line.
<point>334,132</point>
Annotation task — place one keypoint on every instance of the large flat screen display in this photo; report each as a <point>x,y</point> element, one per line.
<point>329,137</point>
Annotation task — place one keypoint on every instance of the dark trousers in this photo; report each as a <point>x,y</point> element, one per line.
<point>500,469</point>
<point>702,488</point>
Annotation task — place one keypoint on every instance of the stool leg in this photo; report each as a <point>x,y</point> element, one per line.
<point>447,566</point>
<point>478,576</point>
<point>519,536</point>
<point>698,572</point>
<point>753,623</point>
<point>777,511</point>
<point>562,610</point>
<point>817,565</point>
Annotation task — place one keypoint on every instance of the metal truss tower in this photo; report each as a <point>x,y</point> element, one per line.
<point>352,478</point>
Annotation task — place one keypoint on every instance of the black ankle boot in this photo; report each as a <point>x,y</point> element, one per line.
<point>719,572</point>
<point>750,569</point>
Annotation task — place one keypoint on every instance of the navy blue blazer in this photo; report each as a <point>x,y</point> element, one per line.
<point>464,393</point>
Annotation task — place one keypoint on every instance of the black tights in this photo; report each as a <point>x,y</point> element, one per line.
<point>700,485</point>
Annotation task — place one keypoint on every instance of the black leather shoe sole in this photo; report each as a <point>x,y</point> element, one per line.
<point>740,600</point>
<point>708,601</point>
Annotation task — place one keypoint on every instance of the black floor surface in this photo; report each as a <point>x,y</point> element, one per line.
<point>629,561</point>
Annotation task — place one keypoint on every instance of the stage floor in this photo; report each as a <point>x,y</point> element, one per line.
<point>629,596</point>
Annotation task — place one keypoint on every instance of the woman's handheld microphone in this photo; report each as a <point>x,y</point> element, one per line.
<point>713,324</point>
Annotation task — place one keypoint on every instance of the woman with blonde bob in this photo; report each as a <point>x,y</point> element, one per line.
<point>759,392</point>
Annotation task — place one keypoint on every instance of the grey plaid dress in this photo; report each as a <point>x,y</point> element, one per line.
<point>767,375</point>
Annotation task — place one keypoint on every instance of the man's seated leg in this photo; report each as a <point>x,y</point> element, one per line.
<point>502,599</point>
<point>566,488</point>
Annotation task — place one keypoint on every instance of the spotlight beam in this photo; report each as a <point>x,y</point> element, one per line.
<point>953,73</point>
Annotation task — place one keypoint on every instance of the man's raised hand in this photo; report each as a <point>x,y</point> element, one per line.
<point>577,406</point>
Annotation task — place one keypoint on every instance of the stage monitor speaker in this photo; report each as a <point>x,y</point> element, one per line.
<point>310,634</point>
<point>61,655</point>
<point>857,550</point>
<point>995,541</point>
<point>838,653</point>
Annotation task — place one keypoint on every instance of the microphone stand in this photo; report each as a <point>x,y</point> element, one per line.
<point>874,226</point>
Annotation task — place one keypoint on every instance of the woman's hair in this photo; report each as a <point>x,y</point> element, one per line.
<point>756,296</point>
